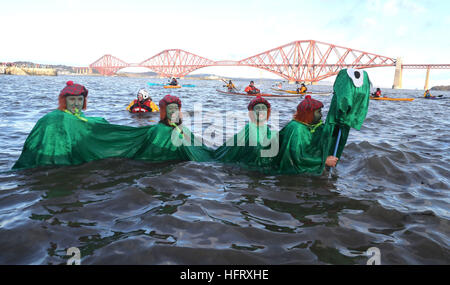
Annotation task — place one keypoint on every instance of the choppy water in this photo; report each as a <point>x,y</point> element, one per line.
<point>390,190</point>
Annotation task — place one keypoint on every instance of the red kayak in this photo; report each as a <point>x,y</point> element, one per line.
<point>264,95</point>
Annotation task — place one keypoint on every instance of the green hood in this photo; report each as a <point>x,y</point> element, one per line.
<point>350,101</point>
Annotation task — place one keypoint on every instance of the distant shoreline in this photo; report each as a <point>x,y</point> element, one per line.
<point>441,88</point>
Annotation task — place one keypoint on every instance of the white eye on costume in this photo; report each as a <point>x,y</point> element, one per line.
<point>357,76</point>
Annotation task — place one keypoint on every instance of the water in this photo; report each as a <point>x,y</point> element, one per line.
<point>390,190</point>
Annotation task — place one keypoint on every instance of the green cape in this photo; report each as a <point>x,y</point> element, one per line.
<point>251,147</point>
<point>164,143</point>
<point>60,138</point>
<point>303,151</point>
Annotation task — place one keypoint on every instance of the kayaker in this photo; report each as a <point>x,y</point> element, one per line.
<point>143,103</point>
<point>377,94</point>
<point>427,94</point>
<point>251,89</point>
<point>231,87</point>
<point>302,89</point>
<point>173,82</point>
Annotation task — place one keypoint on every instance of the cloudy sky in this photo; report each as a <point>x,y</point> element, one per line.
<point>79,32</point>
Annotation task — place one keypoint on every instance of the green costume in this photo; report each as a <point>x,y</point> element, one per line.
<point>66,138</point>
<point>251,147</point>
<point>304,147</point>
<point>255,145</point>
<point>61,138</point>
<point>165,143</point>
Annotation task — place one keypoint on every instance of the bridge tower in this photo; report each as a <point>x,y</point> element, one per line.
<point>398,74</point>
<point>427,79</point>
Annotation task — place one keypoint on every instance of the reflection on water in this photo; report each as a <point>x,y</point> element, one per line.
<point>390,190</point>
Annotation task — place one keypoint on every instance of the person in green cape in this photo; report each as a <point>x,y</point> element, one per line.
<point>66,136</point>
<point>307,144</point>
<point>254,146</point>
<point>169,140</point>
<point>300,150</point>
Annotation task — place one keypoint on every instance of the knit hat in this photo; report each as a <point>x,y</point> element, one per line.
<point>309,104</point>
<point>306,108</point>
<point>256,101</point>
<point>71,89</point>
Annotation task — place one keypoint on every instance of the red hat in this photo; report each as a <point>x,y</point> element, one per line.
<point>256,101</point>
<point>71,89</point>
<point>309,104</point>
<point>168,99</point>
<point>306,108</point>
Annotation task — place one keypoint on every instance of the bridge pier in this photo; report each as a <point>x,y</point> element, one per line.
<point>427,79</point>
<point>398,74</point>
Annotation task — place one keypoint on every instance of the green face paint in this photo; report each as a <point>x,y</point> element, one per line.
<point>74,103</point>
<point>173,112</point>
<point>260,112</point>
<point>317,116</point>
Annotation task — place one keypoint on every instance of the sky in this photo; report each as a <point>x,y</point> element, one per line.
<point>77,33</point>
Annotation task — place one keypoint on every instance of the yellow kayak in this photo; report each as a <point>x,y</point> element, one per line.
<point>172,86</point>
<point>391,99</point>
<point>305,93</point>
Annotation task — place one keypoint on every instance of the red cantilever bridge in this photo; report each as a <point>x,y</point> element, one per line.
<point>306,60</point>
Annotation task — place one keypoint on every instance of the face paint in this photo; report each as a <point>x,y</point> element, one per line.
<point>173,112</point>
<point>74,103</point>
<point>260,112</point>
<point>317,116</point>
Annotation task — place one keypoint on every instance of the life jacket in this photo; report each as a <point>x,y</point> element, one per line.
<point>303,89</point>
<point>140,107</point>
<point>251,90</point>
<point>378,93</point>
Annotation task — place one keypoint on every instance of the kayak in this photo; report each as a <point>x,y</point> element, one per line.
<point>434,98</point>
<point>264,95</point>
<point>160,84</point>
<point>306,93</point>
<point>155,84</point>
<point>172,86</point>
<point>391,99</point>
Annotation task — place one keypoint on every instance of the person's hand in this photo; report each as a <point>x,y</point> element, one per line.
<point>331,161</point>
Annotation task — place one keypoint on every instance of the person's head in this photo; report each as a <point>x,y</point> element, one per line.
<point>378,89</point>
<point>303,84</point>
<point>251,83</point>
<point>229,82</point>
<point>72,97</point>
<point>143,95</point>
<point>170,109</point>
<point>259,110</point>
<point>309,111</point>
